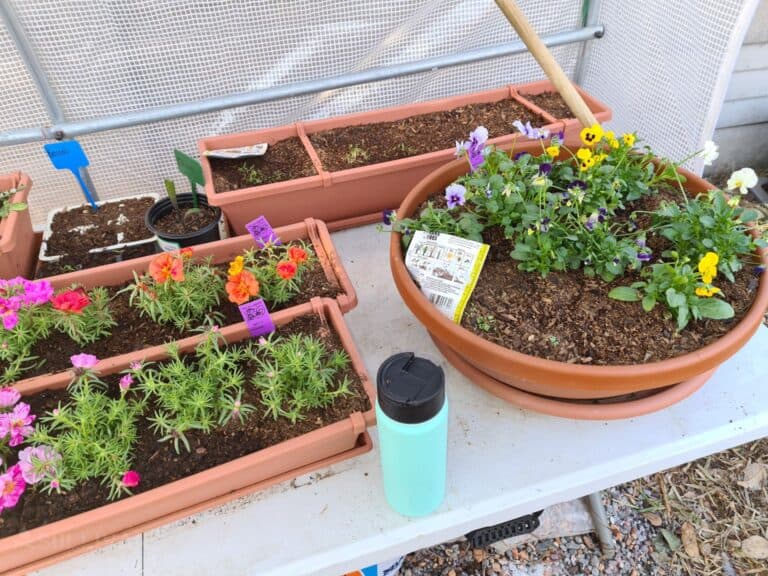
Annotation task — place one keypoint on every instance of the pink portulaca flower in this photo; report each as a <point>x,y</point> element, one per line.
<point>135,366</point>
<point>131,479</point>
<point>84,361</point>
<point>12,486</point>
<point>9,308</point>
<point>17,424</point>
<point>126,382</point>
<point>38,462</point>
<point>8,397</point>
<point>36,293</point>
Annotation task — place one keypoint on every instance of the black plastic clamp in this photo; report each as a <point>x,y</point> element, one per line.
<point>483,537</point>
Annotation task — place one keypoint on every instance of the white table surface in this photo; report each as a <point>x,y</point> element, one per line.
<point>503,462</point>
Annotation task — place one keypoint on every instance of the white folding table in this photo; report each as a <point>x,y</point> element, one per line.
<point>503,462</point>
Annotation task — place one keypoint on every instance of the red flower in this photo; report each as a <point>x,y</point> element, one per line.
<point>186,252</point>
<point>241,287</point>
<point>297,255</point>
<point>286,269</point>
<point>167,266</point>
<point>71,301</point>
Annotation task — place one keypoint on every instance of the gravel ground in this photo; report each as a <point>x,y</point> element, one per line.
<point>705,518</point>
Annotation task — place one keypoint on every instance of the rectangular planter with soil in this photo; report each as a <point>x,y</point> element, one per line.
<point>17,237</point>
<point>59,539</point>
<point>76,237</point>
<point>329,279</point>
<point>365,162</point>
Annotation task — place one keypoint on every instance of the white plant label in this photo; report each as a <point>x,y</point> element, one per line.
<point>446,268</point>
<point>242,152</point>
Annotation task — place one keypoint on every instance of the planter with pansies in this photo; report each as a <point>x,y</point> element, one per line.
<point>615,284</point>
<point>174,429</point>
<point>17,237</point>
<point>346,170</point>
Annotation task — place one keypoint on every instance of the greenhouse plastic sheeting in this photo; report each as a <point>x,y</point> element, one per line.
<point>110,56</point>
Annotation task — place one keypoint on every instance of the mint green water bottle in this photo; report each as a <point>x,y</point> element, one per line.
<point>412,419</point>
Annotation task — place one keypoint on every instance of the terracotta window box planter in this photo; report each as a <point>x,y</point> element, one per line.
<point>135,514</point>
<point>355,196</point>
<point>17,238</point>
<point>220,252</point>
<point>537,383</point>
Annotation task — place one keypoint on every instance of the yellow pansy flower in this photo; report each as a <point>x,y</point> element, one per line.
<point>707,292</point>
<point>553,151</point>
<point>733,202</point>
<point>629,139</point>
<point>708,267</point>
<point>587,164</point>
<point>584,153</point>
<point>592,135</point>
<point>236,266</point>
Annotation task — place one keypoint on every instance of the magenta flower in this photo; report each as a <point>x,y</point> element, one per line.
<point>17,424</point>
<point>454,194</point>
<point>84,361</point>
<point>8,397</point>
<point>131,479</point>
<point>135,366</point>
<point>12,486</point>
<point>9,308</point>
<point>38,292</point>
<point>125,382</point>
<point>38,462</point>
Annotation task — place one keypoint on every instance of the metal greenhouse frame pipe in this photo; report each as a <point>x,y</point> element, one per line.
<point>62,130</point>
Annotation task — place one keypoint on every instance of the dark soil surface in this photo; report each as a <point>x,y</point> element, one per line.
<point>569,317</point>
<point>120,216</point>
<point>135,331</point>
<point>551,102</point>
<point>183,221</point>
<point>159,464</point>
<point>284,160</point>
<point>354,146</point>
<point>74,262</point>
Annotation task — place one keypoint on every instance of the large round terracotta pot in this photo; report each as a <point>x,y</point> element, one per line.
<point>548,377</point>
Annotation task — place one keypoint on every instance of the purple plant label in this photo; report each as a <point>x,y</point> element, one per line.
<point>257,318</point>
<point>262,232</point>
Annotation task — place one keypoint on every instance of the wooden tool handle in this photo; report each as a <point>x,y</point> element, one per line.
<point>547,62</point>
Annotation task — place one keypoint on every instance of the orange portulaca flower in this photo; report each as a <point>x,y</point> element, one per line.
<point>241,287</point>
<point>297,255</point>
<point>166,266</point>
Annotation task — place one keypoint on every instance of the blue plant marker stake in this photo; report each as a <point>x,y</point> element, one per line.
<point>69,155</point>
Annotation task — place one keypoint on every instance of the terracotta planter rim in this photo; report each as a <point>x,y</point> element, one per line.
<point>706,357</point>
<point>8,224</point>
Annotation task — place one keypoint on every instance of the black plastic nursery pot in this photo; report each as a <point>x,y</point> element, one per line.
<point>169,242</point>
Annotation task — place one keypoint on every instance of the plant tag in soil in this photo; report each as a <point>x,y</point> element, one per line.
<point>190,167</point>
<point>69,155</point>
<point>446,268</point>
<point>242,152</point>
<point>257,318</point>
<point>262,232</point>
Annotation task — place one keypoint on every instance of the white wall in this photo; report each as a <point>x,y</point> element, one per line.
<point>742,129</point>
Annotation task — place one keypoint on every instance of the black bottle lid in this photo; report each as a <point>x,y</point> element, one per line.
<point>410,389</point>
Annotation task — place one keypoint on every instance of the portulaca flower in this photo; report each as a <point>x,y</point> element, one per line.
<point>709,154</point>
<point>742,180</point>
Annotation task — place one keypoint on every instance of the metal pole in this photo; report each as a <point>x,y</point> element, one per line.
<point>593,10</point>
<point>600,520</point>
<point>47,93</point>
<point>159,114</point>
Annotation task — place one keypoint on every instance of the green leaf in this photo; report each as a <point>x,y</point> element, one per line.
<point>683,315</point>
<point>674,298</point>
<point>17,206</point>
<point>672,540</point>
<point>649,302</point>
<point>625,294</point>
<point>715,309</point>
<point>749,215</point>
<point>708,243</point>
<point>706,220</point>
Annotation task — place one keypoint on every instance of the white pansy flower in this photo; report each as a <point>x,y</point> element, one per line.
<point>742,180</point>
<point>709,154</point>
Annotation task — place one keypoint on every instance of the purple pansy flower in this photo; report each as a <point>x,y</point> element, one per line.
<point>577,184</point>
<point>757,270</point>
<point>529,131</point>
<point>386,216</point>
<point>454,194</point>
<point>644,257</point>
<point>592,221</point>
<point>545,168</point>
